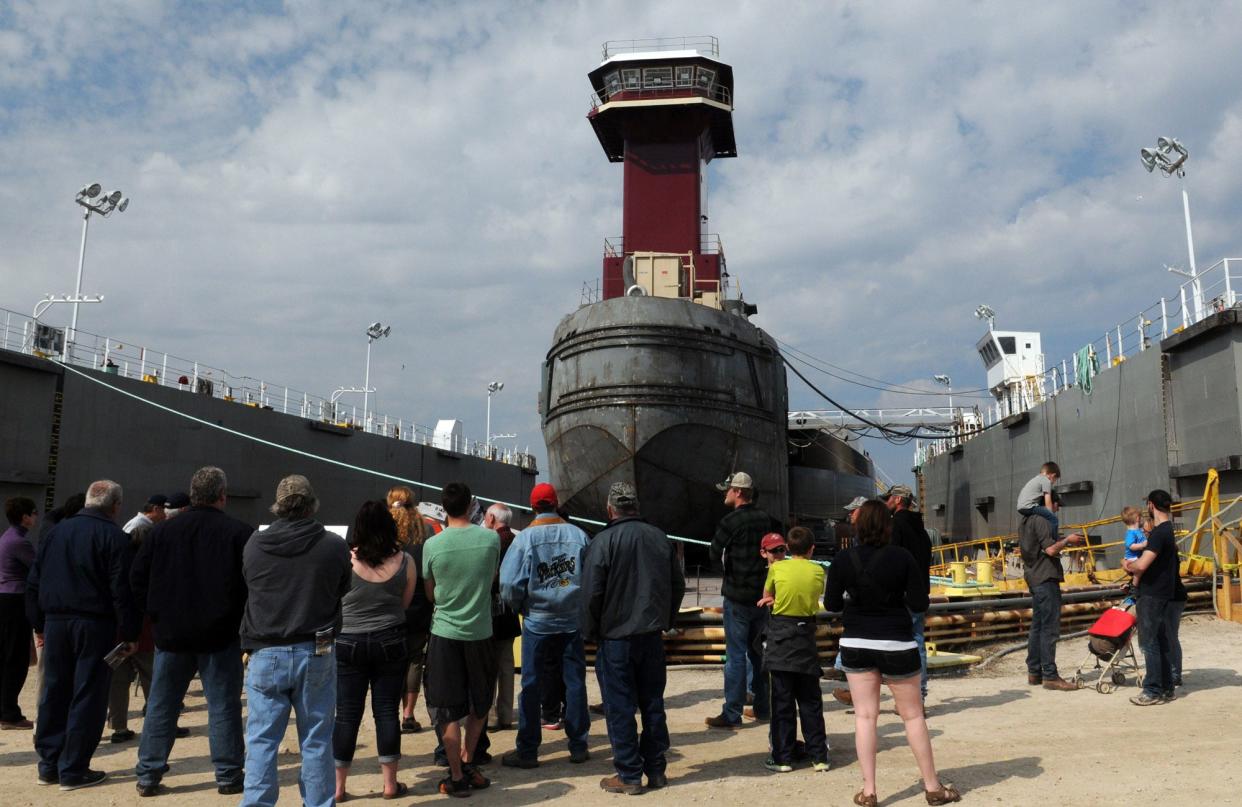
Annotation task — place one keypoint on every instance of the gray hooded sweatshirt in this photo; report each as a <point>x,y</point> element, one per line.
<point>296,574</point>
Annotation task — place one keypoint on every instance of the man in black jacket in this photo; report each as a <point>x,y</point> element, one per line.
<point>632,585</point>
<point>909,533</point>
<point>296,573</point>
<point>187,576</point>
<point>736,546</point>
<point>78,600</point>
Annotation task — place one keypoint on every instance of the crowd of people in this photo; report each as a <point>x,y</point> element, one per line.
<point>309,625</point>
<point>408,605</point>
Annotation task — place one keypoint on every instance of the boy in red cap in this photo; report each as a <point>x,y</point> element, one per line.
<point>773,548</point>
<point>793,589</point>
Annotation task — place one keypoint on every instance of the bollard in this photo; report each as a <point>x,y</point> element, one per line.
<point>958,569</point>
<point>983,572</point>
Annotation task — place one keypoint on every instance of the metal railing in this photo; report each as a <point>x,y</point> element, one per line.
<point>20,333</point>
<point>713,92</point>
<point>705,44</point>
<point>709,244</point>
<point>1212,291</point>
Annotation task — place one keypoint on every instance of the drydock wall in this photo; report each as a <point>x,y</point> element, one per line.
<point>1159,419</point>
<point>104,434</point>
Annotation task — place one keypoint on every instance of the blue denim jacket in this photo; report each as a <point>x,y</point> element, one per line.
<point>541,575</point>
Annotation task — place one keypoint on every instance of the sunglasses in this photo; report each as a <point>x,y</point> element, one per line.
<point>776,550</point>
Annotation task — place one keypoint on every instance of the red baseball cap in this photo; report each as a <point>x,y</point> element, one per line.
<point>543,494</point>
<point>771,541</point>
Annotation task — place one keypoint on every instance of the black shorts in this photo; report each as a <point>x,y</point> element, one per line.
<point>459,678</point>
<point>895,664</point>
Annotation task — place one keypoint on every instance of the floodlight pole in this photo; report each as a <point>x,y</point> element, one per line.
<point>366,383</point>
<point>77,289</point>
<point>1196,284</point>
<point>492,389</point>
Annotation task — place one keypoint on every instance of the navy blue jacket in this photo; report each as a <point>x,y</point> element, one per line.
<point>82,570</point>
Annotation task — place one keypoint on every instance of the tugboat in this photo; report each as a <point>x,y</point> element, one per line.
<point>663,381</point>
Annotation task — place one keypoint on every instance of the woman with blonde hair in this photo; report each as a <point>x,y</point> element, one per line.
<point>412,531</point>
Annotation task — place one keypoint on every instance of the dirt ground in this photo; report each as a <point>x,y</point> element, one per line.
<point>999,740</point>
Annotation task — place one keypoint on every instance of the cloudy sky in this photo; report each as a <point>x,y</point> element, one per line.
<point>299,170</point>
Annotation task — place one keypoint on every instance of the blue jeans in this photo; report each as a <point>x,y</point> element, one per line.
<point>1174,623</point>
<point>563,653</point>
<point>1041,647</point>
<point>74,702</point>
<point>743,626</point>
<point>1040,510</point>
<point>632,674</point>
<point>221,674</point>
<point>1153,628</point>
<point>918,621</point>
<point>280,679</point>
<point>376,662</point>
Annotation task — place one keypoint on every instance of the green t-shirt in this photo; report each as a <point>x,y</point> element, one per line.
<point>463,562</point>
<point>798,584</point>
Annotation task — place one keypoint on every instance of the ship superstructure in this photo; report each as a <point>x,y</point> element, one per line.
<point>663,381</point>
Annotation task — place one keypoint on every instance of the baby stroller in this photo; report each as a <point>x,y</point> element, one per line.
<point>1110,643</point>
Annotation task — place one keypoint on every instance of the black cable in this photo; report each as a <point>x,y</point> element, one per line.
<point>889,386</point>
<point>883,429</point>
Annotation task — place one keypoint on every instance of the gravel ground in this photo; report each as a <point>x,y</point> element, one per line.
<point>999,740</point>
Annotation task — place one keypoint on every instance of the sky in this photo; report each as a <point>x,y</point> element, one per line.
<point>299,170</point>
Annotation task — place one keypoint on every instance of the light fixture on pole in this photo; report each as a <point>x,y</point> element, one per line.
<point>985,312</point>
<point>941,378</point>
<point>492,388</point>
<point>1170,157</point>
<point>93,200</point>
<point>375,332</point>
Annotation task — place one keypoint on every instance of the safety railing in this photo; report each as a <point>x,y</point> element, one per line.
<point>705,44</point>
<point>1214,290</point>
<point>21,333</point>
<point>709,244</point>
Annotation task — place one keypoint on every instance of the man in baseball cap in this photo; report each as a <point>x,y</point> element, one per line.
<point>543,497</point>
<point>737,481</point>
<point>737,546</point>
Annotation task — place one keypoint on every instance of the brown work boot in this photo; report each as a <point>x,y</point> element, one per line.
<point>720,722</point>
<point>843,695</point>
<point>1034,679</point>
<point>1060,683</point>
<point>613,784</point>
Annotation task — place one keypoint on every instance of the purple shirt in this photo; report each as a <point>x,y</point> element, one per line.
<point>16,556</point>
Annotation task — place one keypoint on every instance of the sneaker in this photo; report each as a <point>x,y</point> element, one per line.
<point>655,781</point>
<point>777,767</point>
<point>820,765</point>
<point>1144,699</point>
<point>51,780</point>
<point>515,760</point>
<point>232,789</point>
<point>1169,695</point>
<point>559,725</point>
<point>578,757</point>
<point>122,736</point>
<point>146,791</point>
<point>89,778</point>
<point>613,784</point>
<point>720,722</point>
<point>596,708</point>
<point>16,725</point>
<point>181,732</point>
<point>843,695</point>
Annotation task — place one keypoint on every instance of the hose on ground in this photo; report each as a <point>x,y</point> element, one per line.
<point>1013,648</point>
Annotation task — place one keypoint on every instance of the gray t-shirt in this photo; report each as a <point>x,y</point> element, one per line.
<point>1032,494</point>
<point>1034,536</point>
<point>372,607</point>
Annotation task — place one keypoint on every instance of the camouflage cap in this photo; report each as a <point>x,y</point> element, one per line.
<point>622,494</point>
<point>855,503</point>
<point>899,490</point>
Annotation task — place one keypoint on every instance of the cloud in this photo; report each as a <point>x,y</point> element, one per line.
<point>300,171</point>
